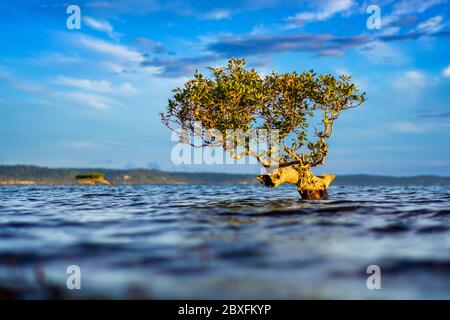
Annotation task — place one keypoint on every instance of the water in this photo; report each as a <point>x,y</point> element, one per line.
<point>224,242</point>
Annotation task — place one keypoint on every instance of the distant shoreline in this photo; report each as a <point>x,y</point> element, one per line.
<point>36,175</point>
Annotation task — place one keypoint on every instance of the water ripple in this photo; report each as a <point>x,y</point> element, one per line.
<point>215,241</point>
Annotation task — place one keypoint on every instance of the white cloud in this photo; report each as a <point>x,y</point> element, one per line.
<point>56,58</point>
<point>413,79</point>
<point>101,25</point>
<point>406,127</point>
<point>388,31</point>
<point>217,14</point>
<point>431,25</point>
<point>416,77</point>
<point>102,4</point>
<point>115,50</point>
<point>92,85</point>
<point>382,53</point>
<point>147,43</point>
<point>91,100</point>
<point>96,85</point>
<point>408,7</point>
<point>115,68</point>
<point>18,83</point>
<point>127,88</point>
<point>415,6</point>
<point>446,72</point>
<point>152,70</point>
<point>325,9</point>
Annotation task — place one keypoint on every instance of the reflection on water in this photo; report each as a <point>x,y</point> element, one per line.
<point>224,242</point>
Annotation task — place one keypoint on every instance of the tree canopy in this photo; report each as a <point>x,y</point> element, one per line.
<point>236,98</point>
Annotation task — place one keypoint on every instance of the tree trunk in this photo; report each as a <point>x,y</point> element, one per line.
<point>309,186</point>
<point>314,194</point>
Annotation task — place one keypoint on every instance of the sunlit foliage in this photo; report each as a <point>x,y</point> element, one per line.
<point>234,97</point>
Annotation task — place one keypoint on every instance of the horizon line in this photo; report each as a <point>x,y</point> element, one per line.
<point>212,172</point>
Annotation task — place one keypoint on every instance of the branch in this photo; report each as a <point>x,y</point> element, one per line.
<point>300,160</point>
<point>293,154</point>
<point>258,157</point>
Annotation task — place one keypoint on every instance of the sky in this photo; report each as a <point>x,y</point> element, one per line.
<point>91,97</point>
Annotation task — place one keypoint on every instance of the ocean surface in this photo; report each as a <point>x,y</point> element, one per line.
<point>224,242</point>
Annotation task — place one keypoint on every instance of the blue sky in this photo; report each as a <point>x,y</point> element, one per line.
<point>91,97</point>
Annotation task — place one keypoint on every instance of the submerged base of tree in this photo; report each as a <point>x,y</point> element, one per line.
<point>309,186</point>
<point>313,194</point>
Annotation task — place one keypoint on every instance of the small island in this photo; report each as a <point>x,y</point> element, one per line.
<point>92,178</point>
